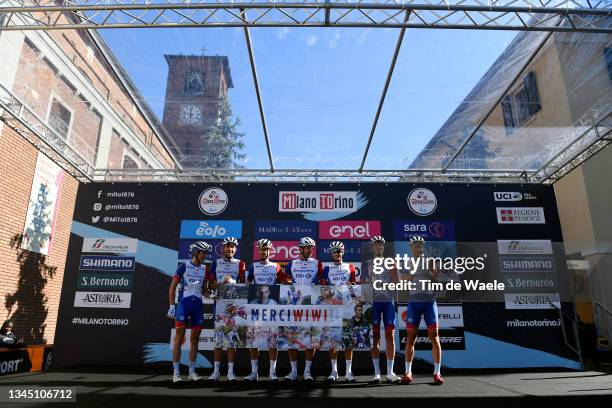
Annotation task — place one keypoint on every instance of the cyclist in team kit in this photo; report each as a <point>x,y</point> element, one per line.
<point>422,303</point>
<point>189,308</point>
<point>337,274</point>
<point>304,270</point>
<point>223,271</point>
<point>384,310</point>
<point>264,272</point>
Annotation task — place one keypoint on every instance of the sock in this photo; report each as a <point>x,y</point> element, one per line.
<point>408,367</point>
<point>217,364</point>
<point>308,365</point>
<point>437,368</point>
<point>349,365</point>
<point>272,367</point>
<point>175,365</point>
<point>389,367</point>
<point>294,366</point>
<point>230,367</point>
<point>334,364</point>
<point>254,367</point>
<point>192,367</point>
<point>376,365</point>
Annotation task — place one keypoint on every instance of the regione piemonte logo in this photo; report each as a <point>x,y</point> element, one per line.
<point>422,201</point>
<point>317,201</point>
<point>520,215</point>
<point>213,201</point>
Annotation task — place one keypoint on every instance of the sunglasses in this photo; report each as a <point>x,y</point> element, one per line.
<point>337,252</point>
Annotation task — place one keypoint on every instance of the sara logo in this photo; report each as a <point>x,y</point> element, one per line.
<point>429,230</point>
<point>349,229</point>
<point>213,201</point>
<point>422,201</point>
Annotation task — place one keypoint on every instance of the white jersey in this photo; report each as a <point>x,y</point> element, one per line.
<point>264,273</point>
<point>191,278</point>
<point>222,267</point>
<point>304,272</point>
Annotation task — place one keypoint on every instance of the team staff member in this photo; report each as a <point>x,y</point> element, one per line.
<point>191,276</point>
<point>303,271</point>
<point>223,271</point>
<point>384,309</point>
<point>264,272</point>
<point>337,274</point>
<point>422,303</point>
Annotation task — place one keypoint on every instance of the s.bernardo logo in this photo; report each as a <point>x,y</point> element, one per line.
<point>213,201</point>
<point>422,201</point>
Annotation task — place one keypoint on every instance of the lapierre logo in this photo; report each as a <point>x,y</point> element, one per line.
<point>504,196</point>
<point>118,245</point>
<point>524,247</point>
<point>527,264</point>
<point>520,215</point>
<point>317,201</point>
<point>422,201</point>
<point>103,300</point>
<point>107,263</point>
<point>213,201</point>
<point>349,229</point>
<point>524,301</point>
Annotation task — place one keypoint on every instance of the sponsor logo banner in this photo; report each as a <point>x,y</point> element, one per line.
<point>290,315</point>
<point>103,300</point>
<point>210,229</point>
<point>339,230</point>
<point>205,342</point>
<point>422,201</point>
<point>529,283</point>
<point>213,201</point>
<point>357,265</point>
<point>527,264</point>
<point>449,316</point>
<point>352,250</point>
<point>519,301</point>
<point>283,251</point>
<point>105,281</point>
<point>107,263</point>
<point>450,339</point>
<point>536,323</point>
<point>99,321</point>
<point>506,196</point>
<point>317,201</point>
<point>578,265</point>
<point>429,230</point>
<point>524,246</point>
<point>285,229</point>
<point>520,215</point>
<point>117,245</point>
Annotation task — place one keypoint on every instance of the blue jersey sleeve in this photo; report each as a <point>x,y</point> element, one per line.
<point>288,270</point>
<point>180,271</point>
<point>251,274</point>
<point>324,278</point>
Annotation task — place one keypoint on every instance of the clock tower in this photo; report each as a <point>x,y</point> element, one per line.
<point>195,85</point>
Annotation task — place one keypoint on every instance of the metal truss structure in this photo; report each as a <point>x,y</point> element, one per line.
<point>591,16</point>
<point>19,117</point>
<point>313,176</point>
<point>517,15</point>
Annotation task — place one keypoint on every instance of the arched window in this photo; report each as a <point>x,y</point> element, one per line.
<point>194,84</point>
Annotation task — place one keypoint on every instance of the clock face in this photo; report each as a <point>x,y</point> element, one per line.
<point>190,114</point>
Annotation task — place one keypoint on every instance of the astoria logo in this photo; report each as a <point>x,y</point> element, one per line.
<point>119,300</point>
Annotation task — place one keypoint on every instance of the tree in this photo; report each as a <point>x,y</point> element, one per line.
<point>221,145</point>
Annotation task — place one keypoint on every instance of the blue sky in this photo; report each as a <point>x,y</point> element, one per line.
<point>321,86</point>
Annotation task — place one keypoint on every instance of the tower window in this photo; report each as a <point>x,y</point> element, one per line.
<point>193,83</point>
